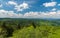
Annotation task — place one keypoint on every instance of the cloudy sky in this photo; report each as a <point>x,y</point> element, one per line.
<point>29,8</point>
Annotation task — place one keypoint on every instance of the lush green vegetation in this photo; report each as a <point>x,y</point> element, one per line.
<point>29,28</point>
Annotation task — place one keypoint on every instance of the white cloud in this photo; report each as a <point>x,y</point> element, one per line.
<point>50,4</point>
<point>31,14</point>
<point>19,7</point>
<point>12,3</point>
<point>42,14</point>
<point>38,14</point>
<point>22,6</point>
<point>9,14</point>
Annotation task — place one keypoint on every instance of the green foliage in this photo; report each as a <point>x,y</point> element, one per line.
<point>24,33</point>
<point>29,28</point>
<point>38,32</point>
<point>2,33</point>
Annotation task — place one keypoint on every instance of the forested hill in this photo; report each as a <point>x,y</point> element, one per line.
<point>29,28</point>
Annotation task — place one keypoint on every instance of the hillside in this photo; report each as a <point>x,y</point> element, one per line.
<point>29,28</point>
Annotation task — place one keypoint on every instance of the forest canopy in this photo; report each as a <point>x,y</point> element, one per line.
<point>29,28</point>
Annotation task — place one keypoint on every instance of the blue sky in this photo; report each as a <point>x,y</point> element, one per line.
<point>29,8</point>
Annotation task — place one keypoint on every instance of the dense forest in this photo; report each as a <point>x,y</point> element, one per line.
<point>29,28</point>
